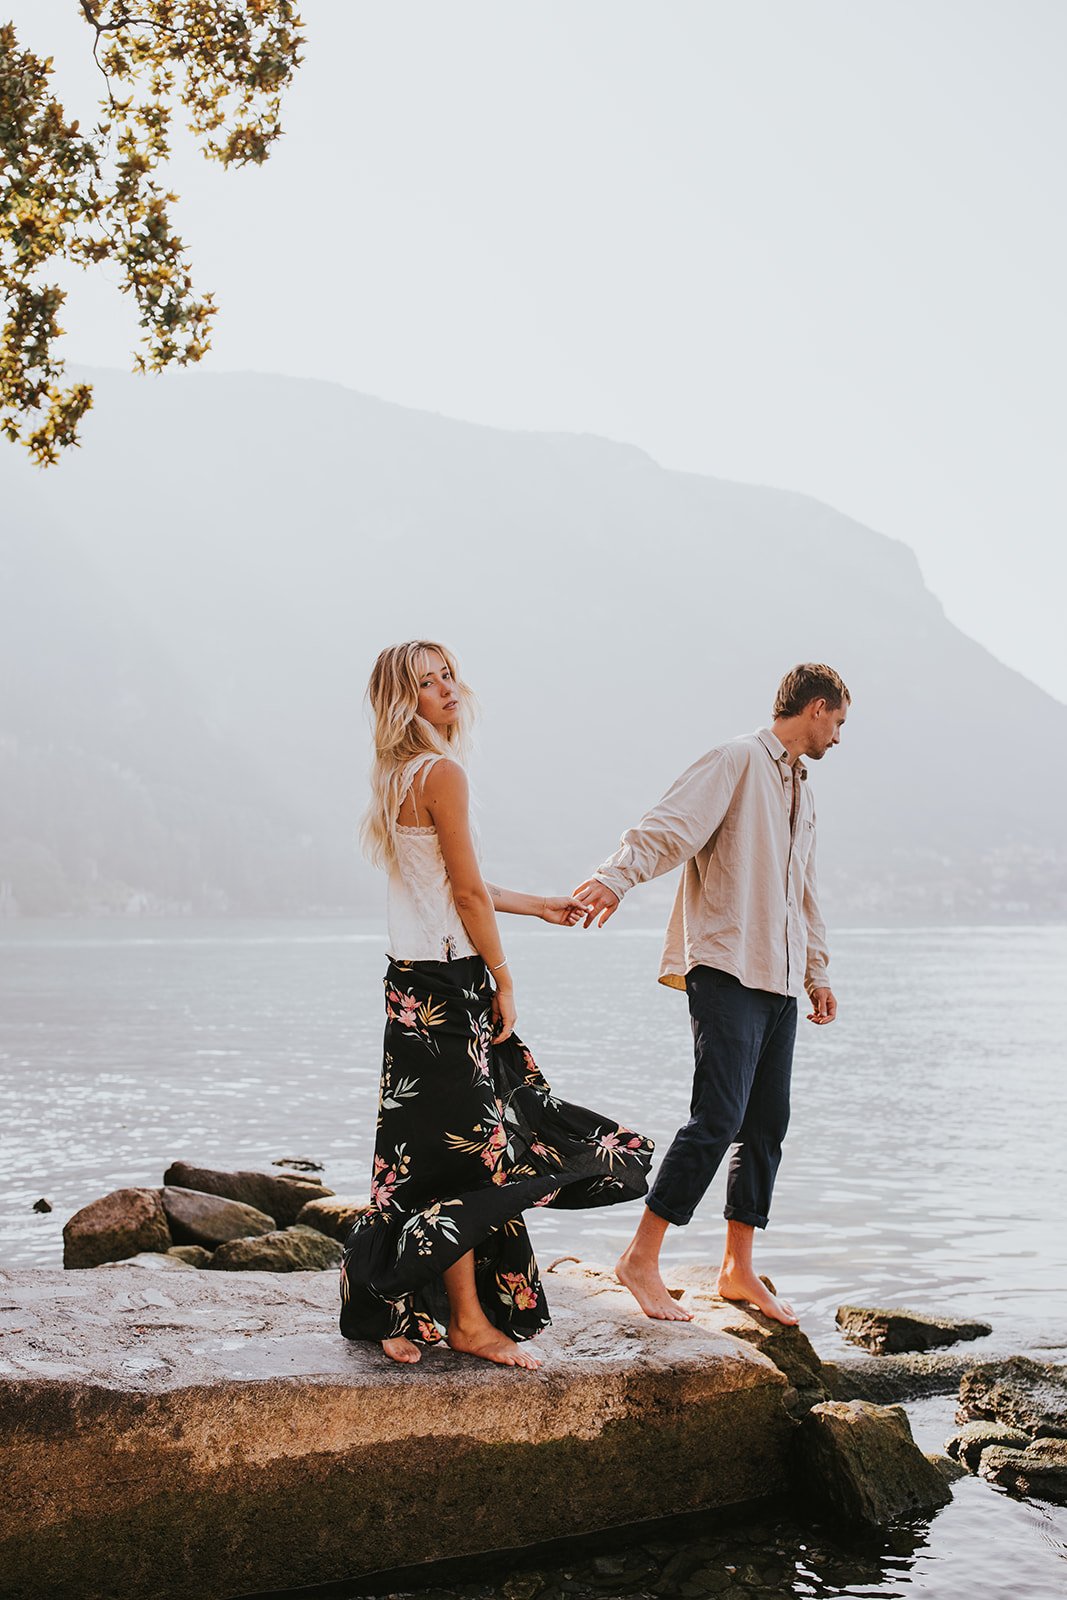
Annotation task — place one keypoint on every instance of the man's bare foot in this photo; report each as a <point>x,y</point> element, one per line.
<point>491,1345</point>
<point>736,1284</point>
<point>648,1289</point>
<point>401,1350</point>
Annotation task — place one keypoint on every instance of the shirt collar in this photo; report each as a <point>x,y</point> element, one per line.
<point>777,750</point>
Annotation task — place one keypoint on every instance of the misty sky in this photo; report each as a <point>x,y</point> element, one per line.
<point>820,246</point>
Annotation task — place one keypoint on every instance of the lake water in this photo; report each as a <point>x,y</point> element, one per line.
<point>924,1164</point>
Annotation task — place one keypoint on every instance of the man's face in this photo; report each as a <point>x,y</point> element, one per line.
<point>824,727</point>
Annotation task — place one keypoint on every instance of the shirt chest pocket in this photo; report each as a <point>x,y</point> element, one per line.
<point>805,838</point>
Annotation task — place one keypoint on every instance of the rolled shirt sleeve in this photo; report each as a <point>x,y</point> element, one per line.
<point>818,958</point>
<point>677,827</point>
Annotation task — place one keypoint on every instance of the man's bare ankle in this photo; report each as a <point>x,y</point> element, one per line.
<point>643,1260</point>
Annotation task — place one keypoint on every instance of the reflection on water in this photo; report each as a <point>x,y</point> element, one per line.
<point>923,1164</point>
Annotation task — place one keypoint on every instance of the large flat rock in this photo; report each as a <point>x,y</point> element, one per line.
<point>211,1434</point>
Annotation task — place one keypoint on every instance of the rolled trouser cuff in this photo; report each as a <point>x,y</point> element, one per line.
<point>665,1213</point>
<point>751,1219</point>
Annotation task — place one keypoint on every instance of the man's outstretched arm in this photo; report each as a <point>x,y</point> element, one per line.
<point>672,832</point>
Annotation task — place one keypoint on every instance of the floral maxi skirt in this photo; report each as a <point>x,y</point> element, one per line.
<point>469,1135</point>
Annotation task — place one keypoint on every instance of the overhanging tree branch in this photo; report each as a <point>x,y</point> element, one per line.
<point>98,198</point>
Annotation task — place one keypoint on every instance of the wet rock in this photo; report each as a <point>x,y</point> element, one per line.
<point>152,1260</point>
<point>678,1568</point>
<point>707,1581</point>
<point>298,1163</point>
<point>42,1204</point>
<point>194,1255</point>
<point>952,1471</point>
<point>523,1586</point>
<point>279,1194</point>
<point>1024,1394</point>
<point>886,1379</point>
<point>1039,1471</point>
<point>332,1215</point>
<point>199,1218</point>
<point>890,1332</point>
<point>606,1571</point>
<point>968,1445</point>
<point>295,1249</point>
<point>115,1227</point>
<point>860,1462</point>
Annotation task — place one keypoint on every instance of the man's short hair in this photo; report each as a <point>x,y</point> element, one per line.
<point>810,681</point>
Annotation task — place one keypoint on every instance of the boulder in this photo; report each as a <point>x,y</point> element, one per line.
<point>116,1226</point>
<point>298,1163</point>
<point>1024,1394</point>
<point>208,1219</point>
<point>791,1351</point>
<point>194,1255</point>
<point>969,1445</point>
<point>279,1194</point>
<point>860,1463</point>
<point>293,1249</point>
<point>887,1379</point>
<point>332,1215</point>
<point>213,1435</point>
<point>891,1332</point>
<point>950,1469</point>
<point>1040,1470</point>
<point>154,1261</point>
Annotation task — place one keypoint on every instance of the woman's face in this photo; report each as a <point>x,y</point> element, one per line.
<point>438,695</point>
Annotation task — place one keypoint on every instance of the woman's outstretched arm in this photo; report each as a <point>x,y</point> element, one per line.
<point>551,908</point>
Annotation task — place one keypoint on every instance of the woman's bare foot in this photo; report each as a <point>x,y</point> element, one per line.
<point>491,1345</point>
<point>641,1276</point>
<point>737,1284</point>
<point>401,1350</point>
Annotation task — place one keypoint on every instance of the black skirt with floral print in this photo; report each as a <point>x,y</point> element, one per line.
<point>469,1136</point>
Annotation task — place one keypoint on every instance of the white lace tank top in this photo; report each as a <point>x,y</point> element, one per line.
<point>421,914</point>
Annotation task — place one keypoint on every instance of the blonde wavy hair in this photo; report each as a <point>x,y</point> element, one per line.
<point>400,735</point>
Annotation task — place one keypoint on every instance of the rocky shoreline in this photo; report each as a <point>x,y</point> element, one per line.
<point>229,1221</point>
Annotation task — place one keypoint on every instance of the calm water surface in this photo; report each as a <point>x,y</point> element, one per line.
<point>924,1164</point>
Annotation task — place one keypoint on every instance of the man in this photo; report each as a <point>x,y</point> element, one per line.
<point>745,937</point>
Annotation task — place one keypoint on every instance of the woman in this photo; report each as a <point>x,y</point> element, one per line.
<point>469,1133</point>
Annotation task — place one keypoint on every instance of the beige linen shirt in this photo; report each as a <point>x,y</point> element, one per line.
<point>746,902</point>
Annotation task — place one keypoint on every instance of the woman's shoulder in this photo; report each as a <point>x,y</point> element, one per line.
<point>444,776</point>
<point>430,780</point>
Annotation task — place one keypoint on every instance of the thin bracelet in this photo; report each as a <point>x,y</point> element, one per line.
<point>499,965</point>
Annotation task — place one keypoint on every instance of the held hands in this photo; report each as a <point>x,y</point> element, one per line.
<point>597,901</point>
<point>563,909</point>
<point>825,1006</point>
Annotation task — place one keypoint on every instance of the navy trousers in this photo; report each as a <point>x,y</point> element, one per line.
<point>743,1041</point>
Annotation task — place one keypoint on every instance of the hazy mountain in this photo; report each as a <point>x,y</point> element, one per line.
<point>190,605</point>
